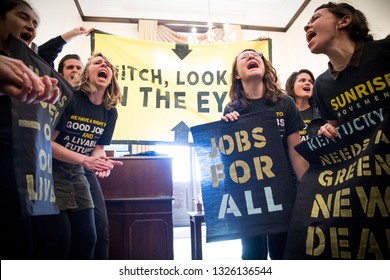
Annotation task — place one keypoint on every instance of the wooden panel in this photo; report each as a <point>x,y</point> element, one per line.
<point>139,177</point>
<point>154,248</point>
<point>139,200</point>
<point>141,236</point>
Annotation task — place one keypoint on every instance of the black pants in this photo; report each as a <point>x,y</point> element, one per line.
<point>17,241</point>
<point>101,219</point>
<point>259,247</point>
<point>68,235</point>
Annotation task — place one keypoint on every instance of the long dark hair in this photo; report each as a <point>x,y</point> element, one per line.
<point>236,90</point>
<point>358,29</point>
<point>8,5</point>
<point>291,81</point>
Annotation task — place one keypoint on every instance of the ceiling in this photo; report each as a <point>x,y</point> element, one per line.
<point>266,15</point>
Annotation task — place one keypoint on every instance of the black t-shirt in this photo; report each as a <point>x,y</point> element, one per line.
<point>6,119</point>
<point>85,125</point>
<point>288,117</point>
<point>313,121</point>
<point>360,88</point>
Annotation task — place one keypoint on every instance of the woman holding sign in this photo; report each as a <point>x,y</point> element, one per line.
<point>353,95</point>
<point>254,88</point>
<point>22,92</point>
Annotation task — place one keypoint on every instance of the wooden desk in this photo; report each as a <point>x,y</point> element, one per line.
<point>139,198</point>
<point>196,220</point>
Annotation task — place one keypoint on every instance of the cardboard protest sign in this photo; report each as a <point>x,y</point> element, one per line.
<point>32,127</point>
<point>246,185</point>
<point>343,201</point>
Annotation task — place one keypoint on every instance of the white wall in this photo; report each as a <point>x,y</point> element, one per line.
<point>295,51</point>
<point>289,50</point>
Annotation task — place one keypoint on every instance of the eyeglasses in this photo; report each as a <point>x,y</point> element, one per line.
<point>246,55</point>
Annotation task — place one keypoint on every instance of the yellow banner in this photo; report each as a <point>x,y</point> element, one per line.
<point>168,88</point>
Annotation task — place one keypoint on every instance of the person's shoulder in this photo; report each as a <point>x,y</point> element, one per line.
<point>113,109</point>
<point>79,96</point>
<point>378,50</point>
<point>382,43</point>
<point>323,76</point>
<point>287,100</point>
<point>384,40</point>
<point>112,112</point>
<point>78,92</point>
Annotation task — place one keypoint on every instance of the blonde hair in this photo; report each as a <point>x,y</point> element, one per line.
<point>112,95</point>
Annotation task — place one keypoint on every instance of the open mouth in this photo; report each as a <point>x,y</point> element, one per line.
<point>74,76</point>
<point>306,89</point>
<point>253,65</point>
<point>310,35</point>
<point>102,74</point>
<point>26,37</point>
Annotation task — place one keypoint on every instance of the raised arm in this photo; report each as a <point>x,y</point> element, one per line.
<point>49,51</point>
